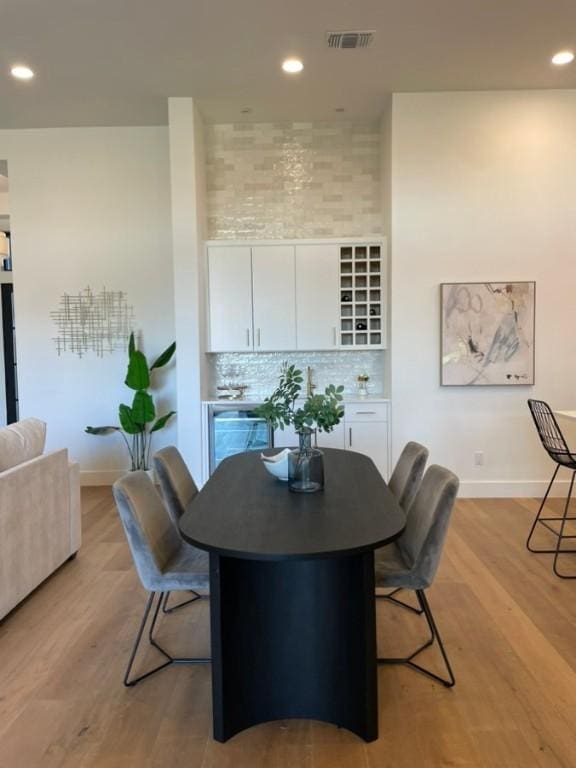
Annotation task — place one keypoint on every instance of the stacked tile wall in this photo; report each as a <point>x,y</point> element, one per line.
<point>293,180</point>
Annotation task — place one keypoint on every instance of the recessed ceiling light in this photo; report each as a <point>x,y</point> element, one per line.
<point>562,57</point>
<point>21,72</point>
<point>292,66</point>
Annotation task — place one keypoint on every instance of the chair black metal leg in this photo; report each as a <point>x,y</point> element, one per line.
<point>169,659</point>
<point>391,597</point>
<point>561,536</point>
<point>434,636</point>
<point>172,608</point>
<point>451,681</point>
<point>537,518</point>
<point>127,681</point>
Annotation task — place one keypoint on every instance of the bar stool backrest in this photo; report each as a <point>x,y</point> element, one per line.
<point>176,482</point>
<point>550,433</point>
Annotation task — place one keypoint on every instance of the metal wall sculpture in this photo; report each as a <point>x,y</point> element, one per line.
<point>93,322</point>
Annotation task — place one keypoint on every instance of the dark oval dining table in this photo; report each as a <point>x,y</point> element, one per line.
<point>292,606</point>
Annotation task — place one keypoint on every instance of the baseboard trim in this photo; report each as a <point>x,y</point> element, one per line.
<point>101,477</point>
<point>469,489</point>
<point>510,489</point>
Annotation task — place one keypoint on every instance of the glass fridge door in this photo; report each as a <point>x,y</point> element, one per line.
<point>235,431</point>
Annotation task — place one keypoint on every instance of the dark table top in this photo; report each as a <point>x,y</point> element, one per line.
<point>243,511</point>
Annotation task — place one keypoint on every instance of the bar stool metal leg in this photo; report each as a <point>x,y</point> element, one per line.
<point>538,519</point>
<point>562,536</point>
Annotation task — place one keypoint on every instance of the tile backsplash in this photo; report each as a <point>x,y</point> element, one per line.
<point>293,180</point>
<point>260,370</point>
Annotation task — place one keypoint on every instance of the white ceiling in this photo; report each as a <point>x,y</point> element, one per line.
<point>114,62</point>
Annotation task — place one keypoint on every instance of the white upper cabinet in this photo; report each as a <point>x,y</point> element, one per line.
<point>280,297</point>
<point>317,302</point>
<point>362,296</point>
<point>274,287</point>
<point>230,304</point>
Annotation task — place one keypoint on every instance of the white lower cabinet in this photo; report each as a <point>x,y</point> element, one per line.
<point>371,438</point>
<point>334,439</point>
<point>287,438</point>
<point>364,429</point>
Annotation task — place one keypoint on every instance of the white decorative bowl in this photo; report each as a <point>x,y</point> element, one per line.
<point>277,465</point>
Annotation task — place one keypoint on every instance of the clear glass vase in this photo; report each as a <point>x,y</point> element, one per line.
<point>305,466</point>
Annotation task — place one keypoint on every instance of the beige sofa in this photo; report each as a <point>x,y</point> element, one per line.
<point>40,524</point>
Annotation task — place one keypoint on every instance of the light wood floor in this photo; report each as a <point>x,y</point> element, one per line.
<point>508,624</point>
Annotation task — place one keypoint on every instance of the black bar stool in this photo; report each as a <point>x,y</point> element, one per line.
<point>555,445</point>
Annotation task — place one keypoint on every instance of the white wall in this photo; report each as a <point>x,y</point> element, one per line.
<point>89,206</point>
<point>483,189</point>
<point>187,189</point>
<point>386,203</point>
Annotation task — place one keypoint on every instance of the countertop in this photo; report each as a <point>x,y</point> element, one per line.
<point>348,398</point>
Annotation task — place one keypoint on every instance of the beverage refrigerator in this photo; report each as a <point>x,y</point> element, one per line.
<point>235,428</point>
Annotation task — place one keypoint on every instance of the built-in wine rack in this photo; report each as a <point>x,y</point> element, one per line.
<point>361,284</point>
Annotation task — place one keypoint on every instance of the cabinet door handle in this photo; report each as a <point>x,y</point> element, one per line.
<point>258,336</point>
<point>365,413</point>
<point>247,337</point>
<point>334,335</point>
<point>349,437</point>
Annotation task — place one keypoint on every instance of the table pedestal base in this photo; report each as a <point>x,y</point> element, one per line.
<point>293,639</point>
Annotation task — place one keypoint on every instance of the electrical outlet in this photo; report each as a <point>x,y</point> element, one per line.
<point>479,458</point>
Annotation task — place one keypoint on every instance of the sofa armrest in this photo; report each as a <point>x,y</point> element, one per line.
<point>35,525</point>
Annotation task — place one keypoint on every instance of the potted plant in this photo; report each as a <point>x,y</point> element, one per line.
<point>138,422</point>
<point>321,412</point>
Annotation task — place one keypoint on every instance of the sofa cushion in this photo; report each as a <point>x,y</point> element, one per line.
<point>21,442</point>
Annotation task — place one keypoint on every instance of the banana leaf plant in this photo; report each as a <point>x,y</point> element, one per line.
<point>139,422</point>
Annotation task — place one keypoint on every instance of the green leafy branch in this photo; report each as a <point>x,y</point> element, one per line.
<point>318,412</point>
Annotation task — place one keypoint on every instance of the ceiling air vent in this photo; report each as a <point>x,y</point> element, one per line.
<point>350,39</point>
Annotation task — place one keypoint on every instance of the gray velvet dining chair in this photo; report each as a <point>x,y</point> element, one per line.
<point>178,491</point>
<point>412,561</point>
<point>176,483</point>
<point>404,483</point>
<point>408,472</point>
<point>163,560</point>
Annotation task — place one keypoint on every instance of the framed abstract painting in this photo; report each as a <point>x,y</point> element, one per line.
<point>487,334</point>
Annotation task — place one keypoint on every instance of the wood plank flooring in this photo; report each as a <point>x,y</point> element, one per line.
<point>509,626</point>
